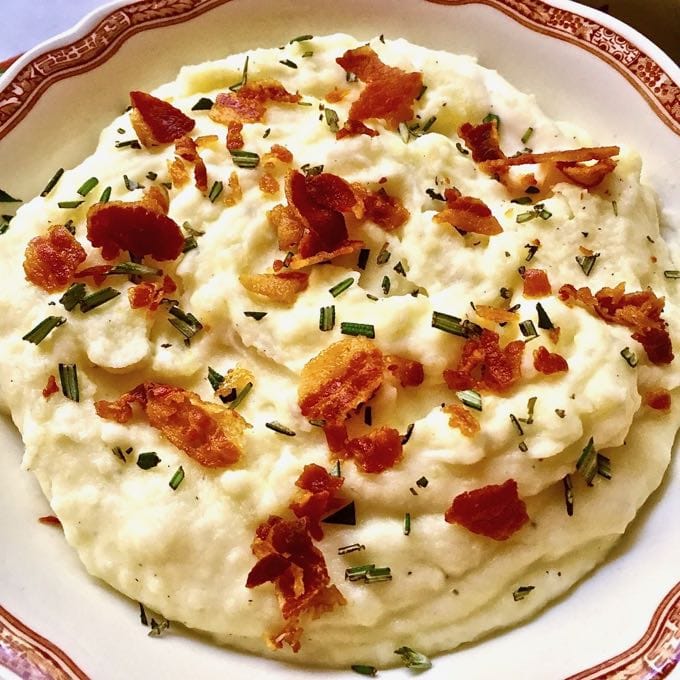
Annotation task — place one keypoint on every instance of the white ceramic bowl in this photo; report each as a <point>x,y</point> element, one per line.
<point>55,620</point>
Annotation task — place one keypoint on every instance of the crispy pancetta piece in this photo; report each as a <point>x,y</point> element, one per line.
<point>463,419</point>
<point>186,149</point>
<point>234,136</point>
<point>353,128</point>
<point>496,314</point>
<point>249,103</point>
<point>640,311</point>
<point>483,141</point>
<point>210,434</point>
<point>50,388</point>
<point>51,260</point>
<point>156,121</point>
<point>389,93</point>
<point>495,511</point>
<point>484,365</point>
<point>149,294</point>
<point>536,283</point>
<point>468,214</point>
<point>549,362</point>
<point>339,379</point>
<point>408,372</point>
<point>376,451</point>
<point>283,287</point>
<point>386,211</point>
<point>659,399</point>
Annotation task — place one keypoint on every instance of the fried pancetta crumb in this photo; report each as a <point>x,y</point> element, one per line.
<point>234,194</point>
<point>288,558</point>
<point>234,136</point>
<point>288,224</point>
<point>50,520</point>
<point>317,497</point>
<point>389,93</point>
<point>325,255</point>
<point>495,511</point>
<point>337,94</point>
<point>178,173</point>
<point>549,362</point>
<point>536,283</point>
<point>385,210</point>
<point>135,227</point>
<point>210,434</point>
<point>468,214</point>
<point>496,314</point>
<point>352,128</point>
<point>268,183</point>
<point>463,419</point>
<point>379,450</point>
<point>587,176</point>
<point>482,140</point>
<point>340,378</point>
<point>148,294</point>
<point>51,260</point>
<point>640,311</point>
<point>277,155</point>
<point>408,372</point>
<point>186,149</point>
<point>156,121</point>
<point>249,104</point>
<point>283,287</point>
<point>98,273</point>
<point>659,399</point>
<point>484,365</point>
<point>50,388</point>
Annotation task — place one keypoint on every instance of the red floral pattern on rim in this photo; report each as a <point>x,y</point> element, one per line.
<point>31,656</point>
<point>658,652</point>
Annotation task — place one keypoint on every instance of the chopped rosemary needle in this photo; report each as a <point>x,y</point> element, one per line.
<point>341,287</point>
<point>106,195</point>
<point>399,268</point>
<point>119,453</point>
<point>215,379</point>
<point>354,547</point>
<point>527,135</point>
<point>245,159</point>
<point>134,269</point>
<point>242,394</point>
<point>462,149</point>
<point>6,198</point>
<point>152,175</point>
<point>587,462</point>
<point>203,104</point>
<point>177,478</point>
<point>327,318</point>
<point>43,329</point>
<point>244,77</point>
<point>522,200</point>
<point>672,273</point>
<point>434,194</point>
<point>87,186</point>
<point>52,183</point>
<point>423,89</point>
<point>350,328</point>
<point>517,426</point>
<point>384,255</point>
<point>73,295</point>
<point>185,322</point>
<point>568,494</point>
<point>364,669</point>
<point>492,118</point>
<point>629,356</point>
<point>307,53</point>
<point>385,285</point>
<point>159,627</point>
<point>130,184</point>
<point>363,258</point>
<point>522,446</point>
<point>525,217</point>
<point>407,435</point>
<point>331,119</point>
<point>587,262</point>
<point>422,482</point>
<point>301,38</point>
<point>604,466</point>
<point>368,415</point>
<point>413,660</point>
<point>522,592</point>
<point>335,471</point>
<point>148,460</point>
<point>132,143</point>
<point>70,204</point>
<point>544,321</point>
<point>190,243</point>
<point>98,298</point>
<point>281,429</point>
<point>407,523</point>
<point>528,329</point>
<point>255,315</point>
<point>449,324</point>
<point>288,63</point>
<point>429,123</point>
<point>215,191</point>
<point>471,398</point>
<point>68,377</point>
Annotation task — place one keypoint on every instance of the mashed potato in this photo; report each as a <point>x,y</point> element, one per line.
<point>175,532</point>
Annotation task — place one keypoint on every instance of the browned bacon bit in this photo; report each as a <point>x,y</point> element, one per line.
<point>50,520</point>
<point>549,362</point>
<point>51,387</point>
<point>98,273</point>
<point>352,128</point>
<point>389,93</point>
<point>283,287</point>
<point>268,184</point>
<point>340,378</point>
<point>379,450</point>
<point>51,260</point>
<point>536,283</point>
<point>234,136</point>
<point>278,154</point>
<point>462,418</point>
<point>385,210</point>
<point>288,558</point>
<point>134,227</point>
<point>659,399</point>
<point>249,104</point>
<point>496,314</point>
<point>234,195</point>
<point>325,256</point>
<point>336,438</point>
<point>337,94</point>
<point>640,311</point>
<point>554,334</point>
<point>317,497</point>
<point>482,140</point>
<point>185,148</point>
<point>410,373</point>
<point>178,172</point>
<point>587,176</point>
<point>484,365</point>
<point>495,511</point>
<point>288,224</point>
<point>149,295</point>
<point>468,214</point>
<point>210,434</point>
<point>156,121</point>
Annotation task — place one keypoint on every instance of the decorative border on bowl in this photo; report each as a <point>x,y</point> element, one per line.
<point>31,656</point>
